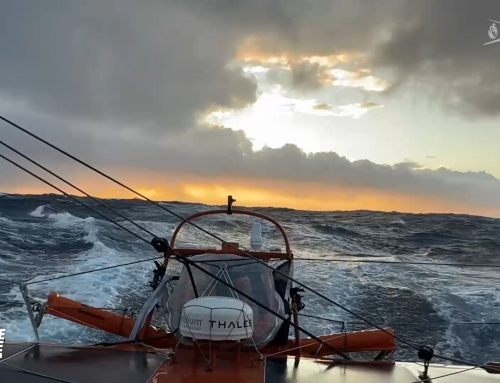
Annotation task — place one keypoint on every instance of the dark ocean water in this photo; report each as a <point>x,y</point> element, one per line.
<point>42,236</point>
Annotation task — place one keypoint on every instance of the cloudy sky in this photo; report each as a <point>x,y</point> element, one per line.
<point>321,104</point>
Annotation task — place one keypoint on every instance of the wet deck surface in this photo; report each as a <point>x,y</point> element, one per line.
<point>78,365</point>
<point>309,370</point>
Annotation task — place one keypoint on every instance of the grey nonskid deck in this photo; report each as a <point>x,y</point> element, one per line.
<point>75,364</point>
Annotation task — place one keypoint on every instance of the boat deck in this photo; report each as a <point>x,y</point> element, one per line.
<point>31,363</point>
<point>50,363</point>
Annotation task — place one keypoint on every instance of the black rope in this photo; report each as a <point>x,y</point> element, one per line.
<point>322,318</point>
<point>430,380</point>
<point>28,372</point>
<point>7,281</point>
<point>83,308</point>
<point>76,188</point>
<point>94,270</point>
<point>73,198</point>
<point>228,266</point>
<point>397,262</point>
<point>457,264</point>
<point>192,279</point>
<point>434,324</point>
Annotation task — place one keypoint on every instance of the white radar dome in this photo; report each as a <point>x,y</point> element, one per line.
<point>216,318</point>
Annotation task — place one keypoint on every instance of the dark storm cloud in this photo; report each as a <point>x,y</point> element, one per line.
<point>290,163</point>
<point>438,44</point>
<point>307,76</point>
<point>146,63</point>
<point>159,64</point>
<point>442,45</point>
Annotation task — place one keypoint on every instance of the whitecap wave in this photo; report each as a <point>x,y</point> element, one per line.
<point>67,221</point>
<point>38,212</point>
<point>398,221</point>
<point>5,220</point>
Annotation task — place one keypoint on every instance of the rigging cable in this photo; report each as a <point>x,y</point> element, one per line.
<point>28,372</point>
<point>85,308</point>
<point>402,340</point>
<point>397,262</point>
<point>457,264</point>
<point>430,380</point>
<point>73,198</point>
<point>76,188</point>
<point>94,270</point>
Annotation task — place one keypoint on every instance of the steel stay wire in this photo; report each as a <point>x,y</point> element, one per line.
<point>215,237</point>
<point>458,264</point>
<point>94,270</point>
<point>73,198</point>
<point>76,188</point>
<point>85,308</point>
<point>80,273</point>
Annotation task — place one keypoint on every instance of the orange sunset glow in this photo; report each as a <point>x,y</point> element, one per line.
<point>254,193</point>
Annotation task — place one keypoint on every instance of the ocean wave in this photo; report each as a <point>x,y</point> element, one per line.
<point>66,220</point>
<point>38,212</point>
<point>433,237</point>
<point>5,220</point>
<point>335,230</point>
<point>397,222</point>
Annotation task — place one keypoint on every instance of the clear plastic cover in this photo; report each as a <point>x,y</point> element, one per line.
<point>246,275</point>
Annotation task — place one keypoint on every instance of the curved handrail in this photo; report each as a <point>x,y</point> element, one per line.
<point>243,212</point>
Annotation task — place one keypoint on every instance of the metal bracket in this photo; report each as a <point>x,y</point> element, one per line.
<point>230,201</point>
<point>38,308</point>
<point>147,308</point>
<point>222,273</point>
<point>24,292</point>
